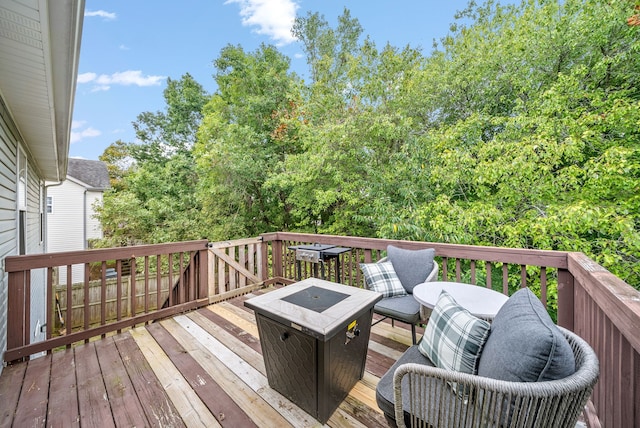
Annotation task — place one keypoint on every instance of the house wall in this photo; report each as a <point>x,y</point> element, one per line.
<point>8,221</point>
<point>65,224</point>
<point>9,235</point>
<point>35,245</point>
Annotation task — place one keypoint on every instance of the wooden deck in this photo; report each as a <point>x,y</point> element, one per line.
<point>204,368</point>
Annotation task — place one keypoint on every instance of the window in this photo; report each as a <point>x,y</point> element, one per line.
<point>22,202</point>
<point>22,180</point>
<point>49,204</point>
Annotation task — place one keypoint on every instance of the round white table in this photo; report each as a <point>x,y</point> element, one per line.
<point>480,301</point>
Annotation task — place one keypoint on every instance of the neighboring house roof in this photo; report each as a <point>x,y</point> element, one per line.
<point>92,173</point>
<point>39,54</point>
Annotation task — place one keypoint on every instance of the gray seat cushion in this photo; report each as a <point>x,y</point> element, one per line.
<point>404,308</point>
<point>384,390</point>
<point>385,397</point>
<point>411,266</point>
<point>524,344</point>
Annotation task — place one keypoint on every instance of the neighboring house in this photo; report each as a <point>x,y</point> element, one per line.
<point>70,214</point>
<point>39,54</point>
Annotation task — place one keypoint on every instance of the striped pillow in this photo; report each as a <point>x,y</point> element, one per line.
<point>453,338</point>
<point>382,278</point>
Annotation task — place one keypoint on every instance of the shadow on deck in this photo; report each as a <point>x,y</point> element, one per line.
<point>203,368</point>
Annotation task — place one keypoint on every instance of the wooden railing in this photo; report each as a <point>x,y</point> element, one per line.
<point>161,280</point>
<point>148,277</point>
<point>589,300</point>
<point>151,282</point>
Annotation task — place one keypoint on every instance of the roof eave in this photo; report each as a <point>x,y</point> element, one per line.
<point>40,51</point>
<point>66,34</point>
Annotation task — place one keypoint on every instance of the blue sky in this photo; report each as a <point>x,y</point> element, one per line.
<point>130,48</point>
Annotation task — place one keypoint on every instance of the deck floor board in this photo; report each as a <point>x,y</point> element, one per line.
<point>11,383</point>
<point>32,404</point>
<point>127,410</point>
<point>203,368</point>
<point>63,392</point>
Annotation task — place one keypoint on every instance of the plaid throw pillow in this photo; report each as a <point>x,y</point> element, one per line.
<point>453,338</point>
<point>382,278</point>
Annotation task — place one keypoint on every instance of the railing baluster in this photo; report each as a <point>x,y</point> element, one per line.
<point>118,290</point>
<point>86,299</point>
<point>505,278</point>
<point>251,262</point>
<point>473,271</point>
<point>487,266</point>
<point>171,281</point>
<point>51,308</point>
<point>27,309</point>
<point>69,316</point>
<point>233,284</point>
<point>158,281</point>
<point>146,284</point>
<point>543,285</point>
<point>103,293</point>
<point>242,259</point>
<point>193,290</point>
<point>134,303</point>
<point>181,287</point>
<point>222,283</point>
<point>445,268</point>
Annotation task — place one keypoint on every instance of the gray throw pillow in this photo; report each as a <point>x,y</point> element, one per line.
<point>381,277</point>
<point>524,344</point>
<point>453,338</point>
<point>411,266</point>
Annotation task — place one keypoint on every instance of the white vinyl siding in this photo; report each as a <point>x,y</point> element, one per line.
<point>9,214</point>
<point>34,246</point>
<point>65,230</point>
<point>8,211</point>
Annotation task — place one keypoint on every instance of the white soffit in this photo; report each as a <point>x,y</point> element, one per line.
<point>39,54</point>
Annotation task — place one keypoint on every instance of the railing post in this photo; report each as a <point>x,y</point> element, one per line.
<point>203,273</point>
<point>16,325</point>
<point>263,261</point>
<point>565,299</point>
<point>276,249</point>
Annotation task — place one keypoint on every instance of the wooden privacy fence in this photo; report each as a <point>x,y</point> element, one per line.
<point>117,302</point>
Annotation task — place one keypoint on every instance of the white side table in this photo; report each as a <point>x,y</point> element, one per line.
<point>480,301</point>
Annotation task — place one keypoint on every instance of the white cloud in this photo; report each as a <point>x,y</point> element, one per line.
<point>77,136</point>
<point>130,77</point>
<point>86,77</point>
<point>103,82</point>
<point>273,18</point>
<point>108,16</point>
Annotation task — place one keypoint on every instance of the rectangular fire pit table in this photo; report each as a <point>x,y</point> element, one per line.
<point>314,336</point>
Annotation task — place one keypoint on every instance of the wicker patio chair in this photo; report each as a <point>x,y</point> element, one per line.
<point>405,308</point>
<point>423,395</point>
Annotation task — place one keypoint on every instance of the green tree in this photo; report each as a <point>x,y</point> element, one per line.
<point>154,199</point>
<point>249,125</point>
<point>119,163</point>
<point>534,140</point>
<point>165,133</point>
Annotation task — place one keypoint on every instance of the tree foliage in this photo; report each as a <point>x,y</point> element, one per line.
<point>153,195</point>
<point>250,125</point>
<point>520,128</point>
